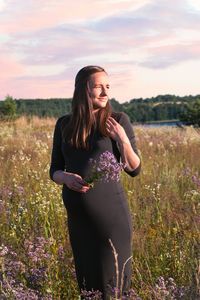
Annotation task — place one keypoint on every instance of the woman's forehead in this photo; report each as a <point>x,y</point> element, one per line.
<point>99,77</point>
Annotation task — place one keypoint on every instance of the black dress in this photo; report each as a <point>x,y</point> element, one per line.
<point>98,215</point>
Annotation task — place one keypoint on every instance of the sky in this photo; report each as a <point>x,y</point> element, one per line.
<point>148,47</point>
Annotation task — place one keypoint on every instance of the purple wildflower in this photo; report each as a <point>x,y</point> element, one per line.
<point>131,295</point>
<point>12,253</point>
<point>3,250</point>
<point>37,277</point>
<point>91,295</point>
<point>36,251</point>
<point>61,253</point>
<point>168,288</point>
<point>186,171</point>
<point>17,291</point>
<point>115,293</point>
<point>105,169</point>
<point>196,179</point>
<point>14,268</point>
<point>20,190</point>
<point>6,192</point>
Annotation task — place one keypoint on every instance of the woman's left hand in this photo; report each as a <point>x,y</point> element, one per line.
<point>116,131</point>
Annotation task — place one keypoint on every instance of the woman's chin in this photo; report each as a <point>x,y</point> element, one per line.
<point>99,105</point>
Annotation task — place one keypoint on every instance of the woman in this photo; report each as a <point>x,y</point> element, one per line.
<point>99,214</point>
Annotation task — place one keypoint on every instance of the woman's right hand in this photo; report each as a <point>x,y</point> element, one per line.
<point>75,182</point>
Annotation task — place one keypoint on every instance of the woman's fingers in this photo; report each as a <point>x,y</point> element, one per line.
<point>110,125</point>
<point>112,121</point>
<point>76,183</point>
<point>115,130</point>
<point>81,189</point>
<point>80,185</point>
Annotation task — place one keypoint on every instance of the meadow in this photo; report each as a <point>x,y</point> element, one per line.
<point>35,256</point>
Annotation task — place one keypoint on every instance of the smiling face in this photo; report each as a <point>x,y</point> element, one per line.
<point>98,88</point>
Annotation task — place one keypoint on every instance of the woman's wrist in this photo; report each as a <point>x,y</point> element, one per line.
<point>124,141</point>
<point>59,176</point>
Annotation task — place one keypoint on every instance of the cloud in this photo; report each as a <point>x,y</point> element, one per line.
<point>45,44</point>
<point>166,56</point>
<point>35,89</point>
<point>8,63</point>
<point>31,15</point>
<point>117,33</point>
<point>2,5</point>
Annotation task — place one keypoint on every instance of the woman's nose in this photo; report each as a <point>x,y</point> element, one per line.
<point>104,91</point>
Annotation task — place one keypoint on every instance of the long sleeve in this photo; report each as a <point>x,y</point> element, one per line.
<point>57,159</point>
<point>125,122</point>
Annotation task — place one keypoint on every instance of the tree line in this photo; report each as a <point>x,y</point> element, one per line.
<point>162,107</point>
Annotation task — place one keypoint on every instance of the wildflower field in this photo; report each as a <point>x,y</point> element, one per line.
<point>35,256</point>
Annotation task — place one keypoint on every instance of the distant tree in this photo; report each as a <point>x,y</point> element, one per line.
<point>192,114</point>
<point>162,107</point>
<point>8,107</point>
<point>116,105</point>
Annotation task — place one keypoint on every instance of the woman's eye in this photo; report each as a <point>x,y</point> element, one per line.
<point>99,87</point>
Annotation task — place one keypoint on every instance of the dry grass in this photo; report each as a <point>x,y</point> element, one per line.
<point>164,201</point>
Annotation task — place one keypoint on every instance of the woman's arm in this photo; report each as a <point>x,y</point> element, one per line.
<point>122,132</point>
<point>57,167</point>
<point>59,177</point>
<point>128,156</point>
<point>71,180</point>
<point>57,159</point>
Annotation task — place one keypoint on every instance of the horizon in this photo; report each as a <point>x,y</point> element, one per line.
<point>70,98</point>
<point>148,47</point>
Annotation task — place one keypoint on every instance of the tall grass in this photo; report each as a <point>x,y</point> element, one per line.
<point>35,254</point>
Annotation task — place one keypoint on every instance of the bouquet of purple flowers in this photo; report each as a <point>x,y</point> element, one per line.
<point>105,169</point>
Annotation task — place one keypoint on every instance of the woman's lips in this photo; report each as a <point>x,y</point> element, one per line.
<point>103,99</point>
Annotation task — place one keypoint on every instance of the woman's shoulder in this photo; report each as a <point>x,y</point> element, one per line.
<point>116,115</point>
<point>63,120</point>
<point>120,117</point>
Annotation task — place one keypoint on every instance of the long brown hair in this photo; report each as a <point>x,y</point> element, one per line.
<point>82,120</point>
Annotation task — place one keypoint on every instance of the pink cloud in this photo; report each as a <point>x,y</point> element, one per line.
<point>10,67</point>
<point>165,56</point>
<point>31,15</point>
<point>35,88</point>
<point>119,35</point>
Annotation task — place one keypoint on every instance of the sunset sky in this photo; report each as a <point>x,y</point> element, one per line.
<point>148,47</point>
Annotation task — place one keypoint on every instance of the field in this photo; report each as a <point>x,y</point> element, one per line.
<point>35,254</point>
